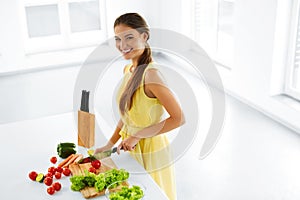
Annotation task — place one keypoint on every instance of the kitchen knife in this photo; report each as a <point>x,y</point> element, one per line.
<point>82,101</point>
<point>105,154</point>
<point>87,101</point>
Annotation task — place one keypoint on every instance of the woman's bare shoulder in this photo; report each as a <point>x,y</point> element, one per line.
<point>153,75</point>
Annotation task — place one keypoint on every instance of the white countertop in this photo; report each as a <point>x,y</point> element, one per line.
<point>28,145</point>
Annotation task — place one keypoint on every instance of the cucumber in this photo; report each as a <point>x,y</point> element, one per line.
<point>40,178</point>
<point>65,145</point>
<point>65,151</point>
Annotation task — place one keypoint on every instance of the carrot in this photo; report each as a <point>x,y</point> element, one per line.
<point>71,160</point>
<point>65,160</point>
<point>80,156</point>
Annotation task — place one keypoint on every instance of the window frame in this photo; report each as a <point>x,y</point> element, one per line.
<point>290,63</point>
<point>213,33</point>
<point>66,40</point>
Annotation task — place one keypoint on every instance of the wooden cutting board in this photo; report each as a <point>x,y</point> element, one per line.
<point>78,169</point>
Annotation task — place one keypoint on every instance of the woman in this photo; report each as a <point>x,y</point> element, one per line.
<point>142,98</point>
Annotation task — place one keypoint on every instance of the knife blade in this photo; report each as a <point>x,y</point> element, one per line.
<point>105,154</point>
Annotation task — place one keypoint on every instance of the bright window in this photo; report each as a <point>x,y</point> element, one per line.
<point>214,28</point>
<point>51,25</point>
<point>292,83</point>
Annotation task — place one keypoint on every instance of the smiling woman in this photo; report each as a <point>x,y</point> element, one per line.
<point>142,98</point>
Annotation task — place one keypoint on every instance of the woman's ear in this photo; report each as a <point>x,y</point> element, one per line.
<point>145,36</point>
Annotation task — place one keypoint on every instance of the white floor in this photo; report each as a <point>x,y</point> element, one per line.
<point>255,159</point>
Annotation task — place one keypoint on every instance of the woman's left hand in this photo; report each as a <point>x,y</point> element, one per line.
<point>128,144</point>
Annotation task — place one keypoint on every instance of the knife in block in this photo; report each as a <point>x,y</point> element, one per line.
<point>86,129</point>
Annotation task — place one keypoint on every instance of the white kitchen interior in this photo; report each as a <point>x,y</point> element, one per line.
<point>254,45</point>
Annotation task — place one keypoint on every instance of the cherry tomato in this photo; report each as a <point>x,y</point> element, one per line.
<point>57,175</point>
<point>59,169</point>
<point>33,175</point>
<point>92,169</point>
<point>50,190</point>
<point>52,170</point>
<point>53,159</point>
<point>49,174</point>
<point>56,186</point>
<point>96,164</point>
<point>48,181</point>
<point>67,172</point>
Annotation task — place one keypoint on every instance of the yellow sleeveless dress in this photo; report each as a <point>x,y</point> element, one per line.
<point>153,153</point>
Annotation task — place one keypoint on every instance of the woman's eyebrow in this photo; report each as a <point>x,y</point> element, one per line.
<point>130,34</point>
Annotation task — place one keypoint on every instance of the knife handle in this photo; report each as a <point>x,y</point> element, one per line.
<point>114,150</point>
<point>87,101</point>
<point>82,101</point>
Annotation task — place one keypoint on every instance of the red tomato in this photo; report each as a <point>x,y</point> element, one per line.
<point>50,190</point>
<point>33,175</point>
<point>56,186</point>
<point>49,174</point>
<point>92,169</point>
<point>48,181</point>
<point>67,172</point>
<point>96,164</point>
<point>53,159</point>
<point>57,175</point>
<point>59,169</point>
<point>52,170</point>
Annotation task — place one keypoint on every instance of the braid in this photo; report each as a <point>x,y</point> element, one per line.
<point>134,21</point>
<point>135,80</point>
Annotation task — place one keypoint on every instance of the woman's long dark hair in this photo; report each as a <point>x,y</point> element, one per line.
<point>135,21</point>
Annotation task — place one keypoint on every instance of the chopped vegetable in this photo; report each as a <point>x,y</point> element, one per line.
<point>40,178</point>
<point>77,183</point>
<point>126,193</point>
<point>90,152</point>
<point>100,181</point>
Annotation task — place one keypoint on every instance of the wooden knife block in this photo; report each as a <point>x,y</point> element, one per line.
<point>86,129</point>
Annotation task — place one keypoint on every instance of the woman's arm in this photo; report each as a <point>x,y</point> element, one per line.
<point>113,140</point>
<point>155,87</point>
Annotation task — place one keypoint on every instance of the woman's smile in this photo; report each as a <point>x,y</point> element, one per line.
<point>126,51</point>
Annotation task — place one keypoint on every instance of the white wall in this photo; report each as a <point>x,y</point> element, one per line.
<point>252,76</point>
<point>11,46</point>
<point>149,10</point>
<point>39,92</point>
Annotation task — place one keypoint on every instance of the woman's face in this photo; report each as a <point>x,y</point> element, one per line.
<point>129,41</point>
